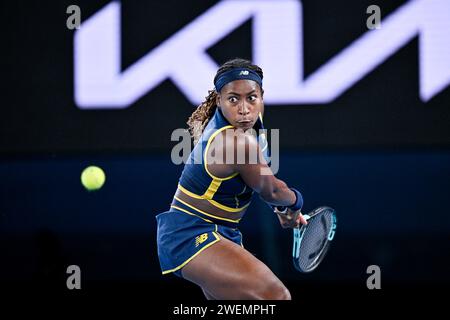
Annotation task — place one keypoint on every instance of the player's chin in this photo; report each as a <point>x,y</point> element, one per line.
<point>245,125</point>
<point>242,126</point>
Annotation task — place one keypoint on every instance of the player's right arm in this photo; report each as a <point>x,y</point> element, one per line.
<point>257,174</point>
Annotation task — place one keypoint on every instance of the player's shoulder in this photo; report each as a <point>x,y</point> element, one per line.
<point>236,138</point>
<point>237,133</point>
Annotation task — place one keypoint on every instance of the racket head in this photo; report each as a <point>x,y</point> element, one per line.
<point>311,241</point>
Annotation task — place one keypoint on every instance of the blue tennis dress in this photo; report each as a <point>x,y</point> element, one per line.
<point>184,231</point>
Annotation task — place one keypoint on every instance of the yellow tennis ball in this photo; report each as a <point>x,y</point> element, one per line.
<point>92,178</point>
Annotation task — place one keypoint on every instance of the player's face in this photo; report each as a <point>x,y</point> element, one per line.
<point>241,101</point>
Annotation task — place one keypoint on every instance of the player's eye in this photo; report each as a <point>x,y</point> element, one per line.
<point>252,98</point>
<point>232,99</point>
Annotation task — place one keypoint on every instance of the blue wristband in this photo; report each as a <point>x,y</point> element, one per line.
<point>298,200</point>
<point>296,206</point>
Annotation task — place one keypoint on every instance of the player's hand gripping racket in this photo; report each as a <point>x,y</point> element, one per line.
<point>311,241</point>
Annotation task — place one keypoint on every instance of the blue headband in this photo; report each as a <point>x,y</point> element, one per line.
<point>236,74</point>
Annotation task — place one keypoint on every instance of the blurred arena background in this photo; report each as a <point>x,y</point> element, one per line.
<point>379,138</point>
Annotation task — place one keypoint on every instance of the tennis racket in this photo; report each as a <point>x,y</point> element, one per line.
<point>311,241</point>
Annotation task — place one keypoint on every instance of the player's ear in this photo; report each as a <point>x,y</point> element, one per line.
<point>218,100</point>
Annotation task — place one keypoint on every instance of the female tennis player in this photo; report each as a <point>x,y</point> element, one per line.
<point>198,238</point>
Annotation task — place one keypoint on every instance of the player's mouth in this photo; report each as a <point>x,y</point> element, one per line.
<point>245,123</point>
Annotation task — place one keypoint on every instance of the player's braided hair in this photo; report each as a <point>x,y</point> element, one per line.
<point>200,117</point>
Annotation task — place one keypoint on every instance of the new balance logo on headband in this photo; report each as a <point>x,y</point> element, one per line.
<point>243,73</point>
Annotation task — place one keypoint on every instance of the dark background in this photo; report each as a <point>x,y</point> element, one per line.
<point>377,154</point>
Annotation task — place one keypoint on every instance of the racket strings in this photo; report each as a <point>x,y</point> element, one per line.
<point>314,240</point>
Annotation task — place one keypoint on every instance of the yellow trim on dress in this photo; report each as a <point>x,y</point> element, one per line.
<point>207,214</point>
<point>206,152</point>
<point>190,213</point>
<point>226,208</point>
<point>189,193</point>
<point>213,186</point>
<point>194,255</point>
<point>213,202</point>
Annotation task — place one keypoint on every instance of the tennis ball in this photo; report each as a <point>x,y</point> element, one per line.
<point>92,178</point>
